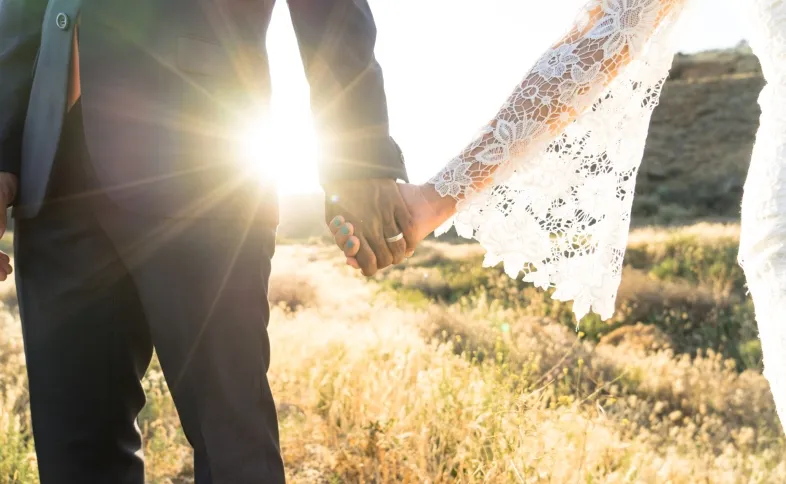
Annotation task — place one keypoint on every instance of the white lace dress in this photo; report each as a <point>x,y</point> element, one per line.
<point>763,234</point>
<point>547,185</point>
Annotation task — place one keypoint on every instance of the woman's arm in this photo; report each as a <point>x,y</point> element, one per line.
<point>565,82</point>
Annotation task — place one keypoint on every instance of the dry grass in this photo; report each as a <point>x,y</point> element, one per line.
<point>707,233</point>
<point>292,292</point>
<point>377,385</point>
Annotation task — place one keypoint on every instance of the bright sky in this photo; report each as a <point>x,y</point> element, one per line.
<point>448,66</point>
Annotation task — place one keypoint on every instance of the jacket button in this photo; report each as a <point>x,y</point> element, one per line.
<point>62,21</point>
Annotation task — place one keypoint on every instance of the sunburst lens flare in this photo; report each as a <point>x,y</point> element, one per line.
<point>274,153</point>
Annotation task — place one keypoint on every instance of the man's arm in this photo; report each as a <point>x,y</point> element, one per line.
<point>360,161</point>
<point>20,37</point>
<point>337,39</point>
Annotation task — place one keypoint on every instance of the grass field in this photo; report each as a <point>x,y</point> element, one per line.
<point>441,371</point>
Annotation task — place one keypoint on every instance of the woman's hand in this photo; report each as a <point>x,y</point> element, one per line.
<point>427,208</point>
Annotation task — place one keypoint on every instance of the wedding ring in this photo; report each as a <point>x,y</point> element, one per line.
<point>395,238</point>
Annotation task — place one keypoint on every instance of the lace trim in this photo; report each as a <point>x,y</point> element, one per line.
<point>547,186</point>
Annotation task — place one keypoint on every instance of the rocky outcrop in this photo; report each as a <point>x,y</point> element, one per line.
<point>700,139</point>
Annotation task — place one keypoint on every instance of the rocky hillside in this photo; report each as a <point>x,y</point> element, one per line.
<point>701,137</point>
<point>697,153</point>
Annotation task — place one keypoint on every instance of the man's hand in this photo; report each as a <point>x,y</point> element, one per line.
<point>376,211</point>
<point>8,186</point>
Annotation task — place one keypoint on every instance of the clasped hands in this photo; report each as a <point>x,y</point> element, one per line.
<point>379,222</point>
<point>370,222</point>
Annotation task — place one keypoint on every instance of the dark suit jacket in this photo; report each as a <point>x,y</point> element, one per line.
<point>165,86</point>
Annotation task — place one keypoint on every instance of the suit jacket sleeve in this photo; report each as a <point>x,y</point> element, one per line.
<point>20,37</point>
<point>336,40</point>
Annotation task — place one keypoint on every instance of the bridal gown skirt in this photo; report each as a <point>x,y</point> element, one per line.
<point>763,232</point>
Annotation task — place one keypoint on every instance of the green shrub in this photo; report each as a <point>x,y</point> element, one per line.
<point>750,353</point>
<point>686,282</point>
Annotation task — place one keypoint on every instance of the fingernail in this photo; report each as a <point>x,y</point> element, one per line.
<point>345,230</point>
<point>336,221</point>
<point>350,244</point>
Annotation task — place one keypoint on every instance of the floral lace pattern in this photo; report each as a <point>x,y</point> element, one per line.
<point>547,186</point>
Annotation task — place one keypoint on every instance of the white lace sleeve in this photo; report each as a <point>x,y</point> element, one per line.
<point>547,186</point>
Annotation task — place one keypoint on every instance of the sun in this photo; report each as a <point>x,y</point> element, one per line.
<point>281,147</point>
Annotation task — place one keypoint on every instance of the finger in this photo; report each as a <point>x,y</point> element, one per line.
<point>406,226</point>
<point>398,249</point>
<point>343,234</point>
<point>409,253</point>
<point>380,249</point>
<point>335,224</point>
<point>352,246</point>
<point>352,262</point>
<point>4,257</point>
<point>375,235</point>
<point>366,257</point>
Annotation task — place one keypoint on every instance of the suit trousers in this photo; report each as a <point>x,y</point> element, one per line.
<point>100,287</point>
